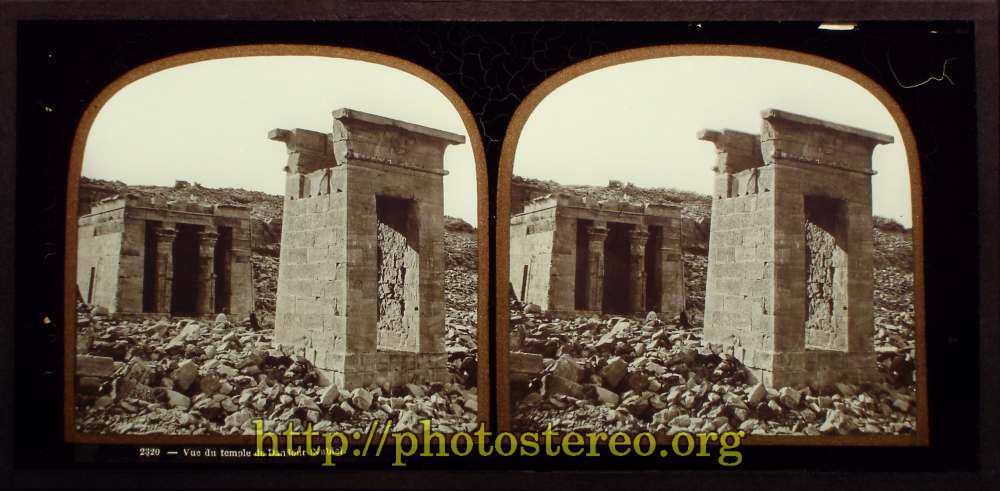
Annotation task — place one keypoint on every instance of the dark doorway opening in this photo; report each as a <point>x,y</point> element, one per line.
<point>582,283</point>
<point>617,269</point>
<point>826,273</point>
<point>524,282</point>
<point>223,273</point>
<point>398,289</point>
<point>90,286</point>
<point>653,269</point>
<point>185,287</point>
<point>149,267</point>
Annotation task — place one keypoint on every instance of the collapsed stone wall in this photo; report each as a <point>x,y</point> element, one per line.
<point>826,280</point>
<point>398,317</point>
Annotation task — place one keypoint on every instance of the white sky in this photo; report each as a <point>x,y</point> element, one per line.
<point>207,122</point>
<point>638,121</point>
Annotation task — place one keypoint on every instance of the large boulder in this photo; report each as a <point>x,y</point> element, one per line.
<point>555,385</point>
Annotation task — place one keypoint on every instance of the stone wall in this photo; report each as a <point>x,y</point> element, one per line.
<point>312,271</point>
<point>739,299</point>
<point>99,243</point>
<point>826,277</point>
<point>398,317</point>
<point>532,237</point>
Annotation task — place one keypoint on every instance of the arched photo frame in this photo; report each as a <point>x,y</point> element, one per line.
<point>362,132</point>
<point>504,207</point>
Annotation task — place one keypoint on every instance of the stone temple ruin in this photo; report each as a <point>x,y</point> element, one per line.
<point>789,286</point>
<point>573,256</point>
<point>360,280</point>
<point>137,256</point>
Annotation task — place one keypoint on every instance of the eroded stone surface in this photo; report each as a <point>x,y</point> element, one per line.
<point>398,291</point>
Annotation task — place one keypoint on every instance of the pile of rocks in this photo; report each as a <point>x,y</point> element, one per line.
<point>461,286</point>
<point>263,206</point>
<point>461,247</point>
<point>630,374</point>
<point>894,312</point>
<point>695,206</point>
<point>265,282</point>
<point>186,376</point>
<point>695,275</point>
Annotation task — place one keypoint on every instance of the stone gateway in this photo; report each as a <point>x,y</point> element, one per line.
<point>789,286</point>
<point>360,278</point>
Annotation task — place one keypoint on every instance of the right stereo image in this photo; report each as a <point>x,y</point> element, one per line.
<point>713,243</point>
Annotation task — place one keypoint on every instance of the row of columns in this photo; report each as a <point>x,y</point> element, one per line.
<point>166,233</point>
<point>597,234</point>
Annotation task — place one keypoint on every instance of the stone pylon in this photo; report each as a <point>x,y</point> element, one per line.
<point>360,290</point>
<point>789,287</point>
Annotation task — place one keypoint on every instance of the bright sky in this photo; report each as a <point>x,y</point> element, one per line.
<point>637,122</point>
<point>207,122</point>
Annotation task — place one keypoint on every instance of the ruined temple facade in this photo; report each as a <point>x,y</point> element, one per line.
<point>360,279</point>
<point>138,256</point>
<point>789,286</point>
<point>573,256</point>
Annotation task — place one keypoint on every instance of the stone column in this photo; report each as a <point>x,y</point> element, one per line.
<point>206,271</point>
<point>637,246</point>
<point>165,236</point>
<point>596,233</point>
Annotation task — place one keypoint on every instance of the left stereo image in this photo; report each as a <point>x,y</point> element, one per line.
<point>288,235</point>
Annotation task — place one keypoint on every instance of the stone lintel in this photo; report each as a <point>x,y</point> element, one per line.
<point>663,210</point>
<point>177,209</point>
<point>611,208</point>
<point>236,211</point>
<point>788,137</point>
<point>347,115</point>
<point>874,137</point>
